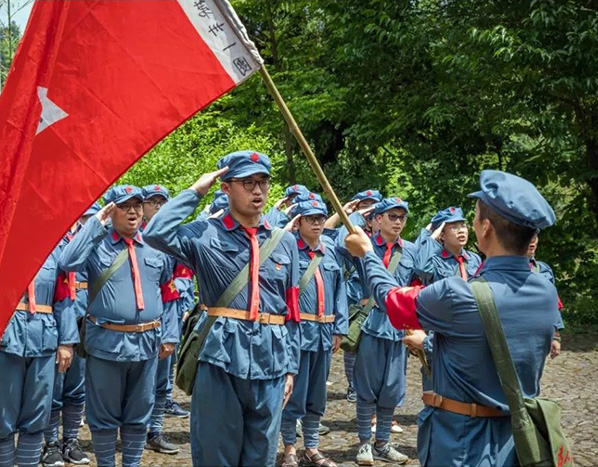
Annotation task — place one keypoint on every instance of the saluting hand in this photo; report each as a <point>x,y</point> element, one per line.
<point>293,224</point>
<point>438,232</point>
<point>281,202</point>
<point>358,243</point>
<point>64,357</point>
<point>207,180</point>
<point>104,214</point>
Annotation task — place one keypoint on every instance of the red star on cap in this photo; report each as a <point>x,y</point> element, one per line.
<point>157,188</point>
<point>295,187</point>
<point>129,189</point>
<point>398,200</point>
<point>255,157</point>
<point>311,196</point>
<point>369,193</point>
<point>452,209</point>
<point>314,203</point>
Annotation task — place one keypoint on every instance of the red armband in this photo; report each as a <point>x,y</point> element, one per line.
<point>182,271</point>
<point>62,289</point>
<point>400,307</point>
<point>292,300</point>
<point>169,291</point>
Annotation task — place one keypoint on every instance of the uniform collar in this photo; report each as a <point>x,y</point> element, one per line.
<point>447,254</point>
<point>115,237</point>
<point>230,223</point>
<point>532,261</point>
<point>379,240</point>
<point>510,263</point>
<point>302,245</point>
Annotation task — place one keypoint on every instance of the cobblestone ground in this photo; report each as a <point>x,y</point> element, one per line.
<point>572,379</point>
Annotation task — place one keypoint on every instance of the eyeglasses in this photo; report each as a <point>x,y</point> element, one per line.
<point>396,217</point>
<point>138,207</point>
<point>249,183</point>
<point>457,227</point>
<point>315,219</point>
<point>155,202</point>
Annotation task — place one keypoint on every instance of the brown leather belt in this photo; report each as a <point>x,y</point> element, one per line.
<point>81,285</point>
<point>38,308</point>
<point>263,318</point>
<point>316,318</point>
<point>471,410</point>
<point>141,327</point>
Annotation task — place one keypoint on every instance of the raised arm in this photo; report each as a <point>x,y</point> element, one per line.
<point>74,255</point>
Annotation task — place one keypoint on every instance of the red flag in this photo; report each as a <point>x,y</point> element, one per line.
<point>94,86</point>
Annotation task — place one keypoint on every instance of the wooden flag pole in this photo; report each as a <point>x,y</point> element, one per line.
<point>315,165</point>
<point>311,158</point>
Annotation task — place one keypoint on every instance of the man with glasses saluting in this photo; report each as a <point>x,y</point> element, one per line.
<point>248,275</point>
<point>131,322</point>
<point>381,357</point>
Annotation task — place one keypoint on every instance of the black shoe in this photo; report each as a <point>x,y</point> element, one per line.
<point>174,409</point>
<point>160,443</point>
<point>72,452</point>
<point>52,457</point>
<point>351,394</point>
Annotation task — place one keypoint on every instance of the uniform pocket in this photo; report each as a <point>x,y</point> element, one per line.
<point>278,265</point>
<point>49,335</point>
<point>280,348</point>
<point>153,268</point>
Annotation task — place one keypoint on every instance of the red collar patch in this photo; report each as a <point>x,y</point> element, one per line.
<point>301,244</point>
<point>228,221</point>
<point>445,254</point>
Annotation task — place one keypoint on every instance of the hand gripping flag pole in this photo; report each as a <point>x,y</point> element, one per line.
<point>315,165</point>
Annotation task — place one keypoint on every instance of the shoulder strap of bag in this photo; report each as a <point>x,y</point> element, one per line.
<point>95,288</point>
<point>309,272</point>
<point>349,272</point>
<point>242,278</point>
<point>500,351</point>
<point>392,267</point>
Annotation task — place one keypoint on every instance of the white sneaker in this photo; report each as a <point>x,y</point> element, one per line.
<point>395,428</point>
<point>388,453</point>
<point>364,455</point>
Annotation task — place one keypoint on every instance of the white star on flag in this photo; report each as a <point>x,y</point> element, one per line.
<point>51,113</point>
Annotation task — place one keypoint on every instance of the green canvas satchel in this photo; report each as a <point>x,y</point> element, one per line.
<point>358,313</point>
<point>192,340</point>
<point>535,422</point>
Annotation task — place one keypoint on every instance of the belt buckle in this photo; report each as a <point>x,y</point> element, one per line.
<point>437,400</point>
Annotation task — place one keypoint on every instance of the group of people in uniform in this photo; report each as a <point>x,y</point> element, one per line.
<point>277,293</point>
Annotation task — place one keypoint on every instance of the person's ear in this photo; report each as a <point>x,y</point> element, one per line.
<point>225,187</point>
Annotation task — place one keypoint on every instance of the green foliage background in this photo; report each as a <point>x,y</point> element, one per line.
<point>415,99</point>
